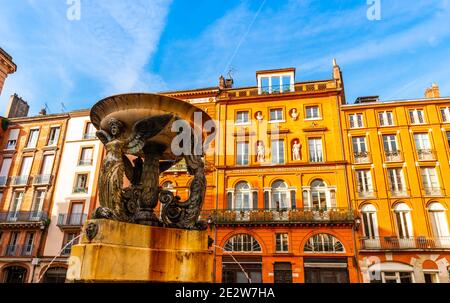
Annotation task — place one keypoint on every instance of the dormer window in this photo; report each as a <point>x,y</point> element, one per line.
<point>276,81</point>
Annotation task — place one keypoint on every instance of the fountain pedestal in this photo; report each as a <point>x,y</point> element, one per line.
<point>112,251</point>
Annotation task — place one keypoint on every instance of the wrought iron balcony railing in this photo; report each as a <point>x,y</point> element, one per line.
<point>85,162</point>
<point>71,220</point>
<point>20,180</point>
<point>28,216</point>
<point>361,157</point>
<point>396,243</point>
<point>80,190</point>
<point>366,194</point>
<point>89,136</point>
<point>18,251</point>
<point>42,180</point>
<point>432,191</point>
<point>393,156</point>
<point>426,155</point>
<point>277,89</point>
<point>304,215</point>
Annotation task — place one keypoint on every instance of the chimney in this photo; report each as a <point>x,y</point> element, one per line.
<point>433,91</point>
<point>225,83</point>
<point>17,108</point>
<point>43,112</point>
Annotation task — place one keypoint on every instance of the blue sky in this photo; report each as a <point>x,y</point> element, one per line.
<point>157,45</point>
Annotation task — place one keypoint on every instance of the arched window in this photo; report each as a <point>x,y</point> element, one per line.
<point>324,243</point>
<point>242,196</point>
<point>15,274</point>
<point>370,222</point>
<point>280,195</point>
<point>242,243</point>
<point>55,275</point>
<point>404,223</point>
<point>438,218</point>
<point>319,195</point>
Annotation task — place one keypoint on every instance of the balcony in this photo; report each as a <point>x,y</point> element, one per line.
<point>366,194</point>
<point>22,217</point>
<point>3,181</point>
<point>80,190</point>
<point>393,156</point>
<point>361,157</point>
<point>42,180</point>
<point>395,243</point>
<point>280,216</point>
<point>18,251</point>
<point>277,89</point>
<point>426,155</point>
<point>89,136</point>
<point>85,162</point>
<point>71,221</point>
<point>432,191</point>
<point>20,180</point>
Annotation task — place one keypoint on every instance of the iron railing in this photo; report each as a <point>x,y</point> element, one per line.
<point>85,162</point>
<point>393,156</point>
<point>277,89</point>
<point>426,155</point>
<point>304,215</point>
<point>396,243</point>
<point>362,157</point>
<point>71,220</point>
<point>432,191</point>
<point>42,179</point>
<point>23,216</point>
<point>89,136</point>
<point>366,194</point>
<point>18,251</point>
<point>20,180</point>
<point>80,190</point>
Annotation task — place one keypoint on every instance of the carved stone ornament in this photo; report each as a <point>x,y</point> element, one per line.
<point>139,126</point>
<point>91,231</point>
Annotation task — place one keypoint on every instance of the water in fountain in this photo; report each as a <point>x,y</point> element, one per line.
<point>236,261</point>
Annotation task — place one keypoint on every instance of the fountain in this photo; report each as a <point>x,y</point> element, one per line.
<point>125,241</point>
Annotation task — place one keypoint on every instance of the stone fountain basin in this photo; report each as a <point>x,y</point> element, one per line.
<point>131,108</point>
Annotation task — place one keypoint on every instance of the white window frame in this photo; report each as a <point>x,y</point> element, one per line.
<point>277,119</point>
<point>364,181</point>
<point>445,113</point>
<point>317,108</point>
<point>415,117</point>
<point>242,153</point>
<point>315,154</point>
<point>386,118</point>
<point>278,151</point>
<point>31,140</point>
<point>430,180</point>
<point>397,185</point>
<point>356,120</point>
<point>284,240</point>
<point>247,120</point>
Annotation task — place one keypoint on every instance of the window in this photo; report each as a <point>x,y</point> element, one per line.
<point>76,213</point>
<point>242,243</point>
<point>364,182</point>
<point>4,171</point>
<point>276,115</point>
<point>277,151</point>
<point>430,181</point>
<point>439,223</point>
<point>423,147</point>
<point>70,239</point>
<point>12,244</point>
<point>242,198</point>
<point>54,136</point>
<point>276,84</point>
<point>404,223</point>
<point>396,181</point>
<point>242,117</point>
<point>356,121</point>
<point>55,275</point>
<point>81,183</point>
<point>390,146</point>
<point>38,203</point>
<point>16,204</point>
<point>360,150</point>
<point>282,244</point>
<point>282,272</point>
<point>242,157</point>
<point>89,132</point>
<point>416,116</point>
<point>386,118</point>
<point>315,150</point>
<point>445,112</point>
<point>323,243</point>
<point>28,247</point>
<point>319,195</point>
<point>393,277</point>
<point>448,138</point>
<point>33,138</point>
<point>12,139</point>
<point>280,195</point>
<point>370,224</point>
<point>86,157</point>
<point>312,112</point>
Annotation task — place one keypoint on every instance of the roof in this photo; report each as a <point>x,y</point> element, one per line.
<point>394,102</point>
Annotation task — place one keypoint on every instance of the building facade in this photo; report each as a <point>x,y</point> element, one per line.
<point>7,67</point>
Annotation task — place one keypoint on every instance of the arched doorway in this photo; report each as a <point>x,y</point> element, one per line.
<point>15,274</point>
<point>55,275</point>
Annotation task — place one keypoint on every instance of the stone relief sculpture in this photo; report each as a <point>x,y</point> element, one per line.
<point>294,114</point>
<point>296,151</point>
<point>260,152</point>
<point>259,116</point>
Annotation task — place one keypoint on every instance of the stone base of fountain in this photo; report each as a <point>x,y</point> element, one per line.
<point>112,251</point>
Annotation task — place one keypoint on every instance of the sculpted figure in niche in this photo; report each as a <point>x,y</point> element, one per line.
<point>261,157</point>
<point>296,154</point>
<point>294,114</point>
<point>259,116</point>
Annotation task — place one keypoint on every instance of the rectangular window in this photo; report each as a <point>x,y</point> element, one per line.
<point>282,244</point>
<point>276,115</point>
<point>312,112</point>
<point>89,131</point>
<point>81,185</point>
<point>390,143</point>
<point>359,145</point>
<point>422,141</point>
<point>86,157</point>
<point>33,138</point>
<point>38,203</point>
<point>54,136</point>
<point>315,150</point>
<point>76,214</point>
<point>386,118</point>
<point>12,139</point>
<point>4,171</point>
<point>12,244</point>
<point>16,204</point>
<point>265,85</point>
<point>448,139</point>
<point>242,117</point>
<point>276,84</point>
<point>242,156</point>
<point>287,87</point>
<point>356,121</point>
<point>417,116</point>
<point>396,181</point>
<point>69,241</point>
<point>364,181</point>
<point>430,180</point>
<point>277,151</point>
<point>445,112</point>
<point>28,247</point>
<point>47,166</point>
<point>26,167</point>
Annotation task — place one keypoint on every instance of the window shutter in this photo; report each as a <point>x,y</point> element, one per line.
<point>293,202</point>
<point>266,200</point>
<point>255,200</point>
<point>229,200</point>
